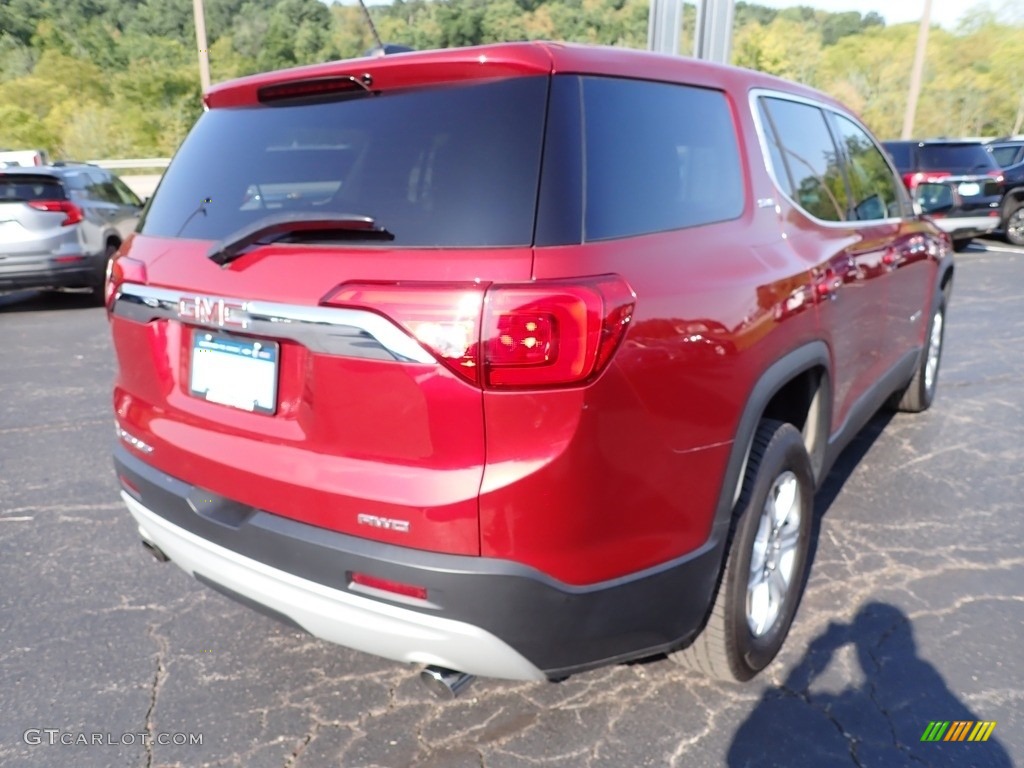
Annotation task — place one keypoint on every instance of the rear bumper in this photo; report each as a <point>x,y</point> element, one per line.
<point>46,272</point>
<point>959,227</point>
<point>483,616</point>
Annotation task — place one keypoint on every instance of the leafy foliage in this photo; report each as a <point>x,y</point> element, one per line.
<point>106,78</point>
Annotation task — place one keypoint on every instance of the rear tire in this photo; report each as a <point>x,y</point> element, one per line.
<point>766,563</point>
<point>99,282</point>
<point>1013,228</point>
<point>920,392</point>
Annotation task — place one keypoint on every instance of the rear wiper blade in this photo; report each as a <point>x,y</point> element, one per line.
<point>282,225</point>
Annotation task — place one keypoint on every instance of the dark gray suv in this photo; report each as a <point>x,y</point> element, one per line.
<point>60,224</point>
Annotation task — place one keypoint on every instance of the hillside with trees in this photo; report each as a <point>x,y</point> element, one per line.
<point>119,78</point>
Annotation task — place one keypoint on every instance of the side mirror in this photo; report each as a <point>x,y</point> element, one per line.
<point>933,199</point>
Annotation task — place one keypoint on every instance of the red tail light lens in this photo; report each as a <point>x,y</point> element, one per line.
<point>444,318</point>
<point>553,333</point>
<point>523,339</point>
<point>121,269</point>
<point>997,175</point>
<point>924,177</point>
<point>72,213</point>
<point>542,334</point>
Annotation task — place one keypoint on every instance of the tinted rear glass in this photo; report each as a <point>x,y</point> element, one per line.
<point>900,154</point>
<point>23,188</point>
<point>659,156</point>
<point>451,166</point>
<point>955,158</point>
<point>1005,155</point>
<point>811,173</point>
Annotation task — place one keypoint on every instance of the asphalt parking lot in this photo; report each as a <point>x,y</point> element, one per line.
<point>913,612</point>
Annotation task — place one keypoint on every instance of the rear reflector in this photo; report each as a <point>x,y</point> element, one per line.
<point>546,333</point>
<point>129,486</point>
<point>386,585</point>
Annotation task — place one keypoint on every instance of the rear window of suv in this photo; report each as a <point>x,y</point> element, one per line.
<point>23,188</point>
<point>954,158</point>
<point>448,166</point>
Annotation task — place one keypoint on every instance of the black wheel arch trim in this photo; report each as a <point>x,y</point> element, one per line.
<point>814,354</point>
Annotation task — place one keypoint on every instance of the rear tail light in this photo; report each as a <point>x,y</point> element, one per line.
<point>924,177</point>
<point>72,213</point>
<point>312,89</point>
<point>997,175</point>
<point>121,269</point>
<point>542,334</point>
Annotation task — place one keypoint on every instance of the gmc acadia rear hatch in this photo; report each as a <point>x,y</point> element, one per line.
<point>289,358</point>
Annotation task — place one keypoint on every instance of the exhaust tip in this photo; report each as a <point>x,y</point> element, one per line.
<point>445,684</point>
<point>155,551</point>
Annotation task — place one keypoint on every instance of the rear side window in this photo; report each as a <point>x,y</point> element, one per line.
<point>873,186</point>
<point>450,166</point>
<point>22,189</point>
<point>99,187</point>
<point>658,156</point>
<point>1006,155</point>
<point>810,172</point>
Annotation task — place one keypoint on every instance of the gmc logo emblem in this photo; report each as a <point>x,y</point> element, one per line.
<point>387,523</point>
<point>207,310</point>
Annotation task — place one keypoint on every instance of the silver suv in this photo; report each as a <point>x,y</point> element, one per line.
<point>60,224</point>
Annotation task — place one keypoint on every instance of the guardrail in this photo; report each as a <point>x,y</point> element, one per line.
<point>146,162</point>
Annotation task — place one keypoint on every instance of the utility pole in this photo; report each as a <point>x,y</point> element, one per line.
<point>917,72</point>
<point>204,51</point>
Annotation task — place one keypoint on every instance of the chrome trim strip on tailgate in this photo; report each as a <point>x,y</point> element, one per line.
<point>329,330</point>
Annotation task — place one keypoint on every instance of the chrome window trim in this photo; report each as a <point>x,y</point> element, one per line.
<point>329,330</point>
<point>762,137</point>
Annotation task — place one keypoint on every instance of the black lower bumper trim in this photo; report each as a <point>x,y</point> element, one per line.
<point>250,603</point>
<point>84,274</point>
<point>558,627</point>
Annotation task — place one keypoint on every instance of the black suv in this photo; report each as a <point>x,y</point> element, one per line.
<point>1009,154</point>
<point>60,224</point>
<point>969,167</point>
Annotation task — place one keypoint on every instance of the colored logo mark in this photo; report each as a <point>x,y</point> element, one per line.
<point>958,730</point>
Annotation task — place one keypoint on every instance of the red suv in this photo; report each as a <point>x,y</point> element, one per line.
<point>515,360</point>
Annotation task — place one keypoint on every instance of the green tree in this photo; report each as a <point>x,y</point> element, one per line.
<point>787,48</point>
<point>21,128</point>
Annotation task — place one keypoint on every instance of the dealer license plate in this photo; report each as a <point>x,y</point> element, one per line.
<point>234,371</point>
<point>969,189</point>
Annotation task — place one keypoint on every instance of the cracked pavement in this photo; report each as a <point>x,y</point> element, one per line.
<point>913,611</point>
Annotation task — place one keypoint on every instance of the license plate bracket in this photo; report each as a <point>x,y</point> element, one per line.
<point>235,371</point>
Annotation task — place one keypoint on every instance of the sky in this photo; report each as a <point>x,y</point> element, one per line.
<point>945,13</point>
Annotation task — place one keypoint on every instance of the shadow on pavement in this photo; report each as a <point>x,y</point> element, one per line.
<point>860,695</point>
<point>869,712</point>
<point>38,301</point>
